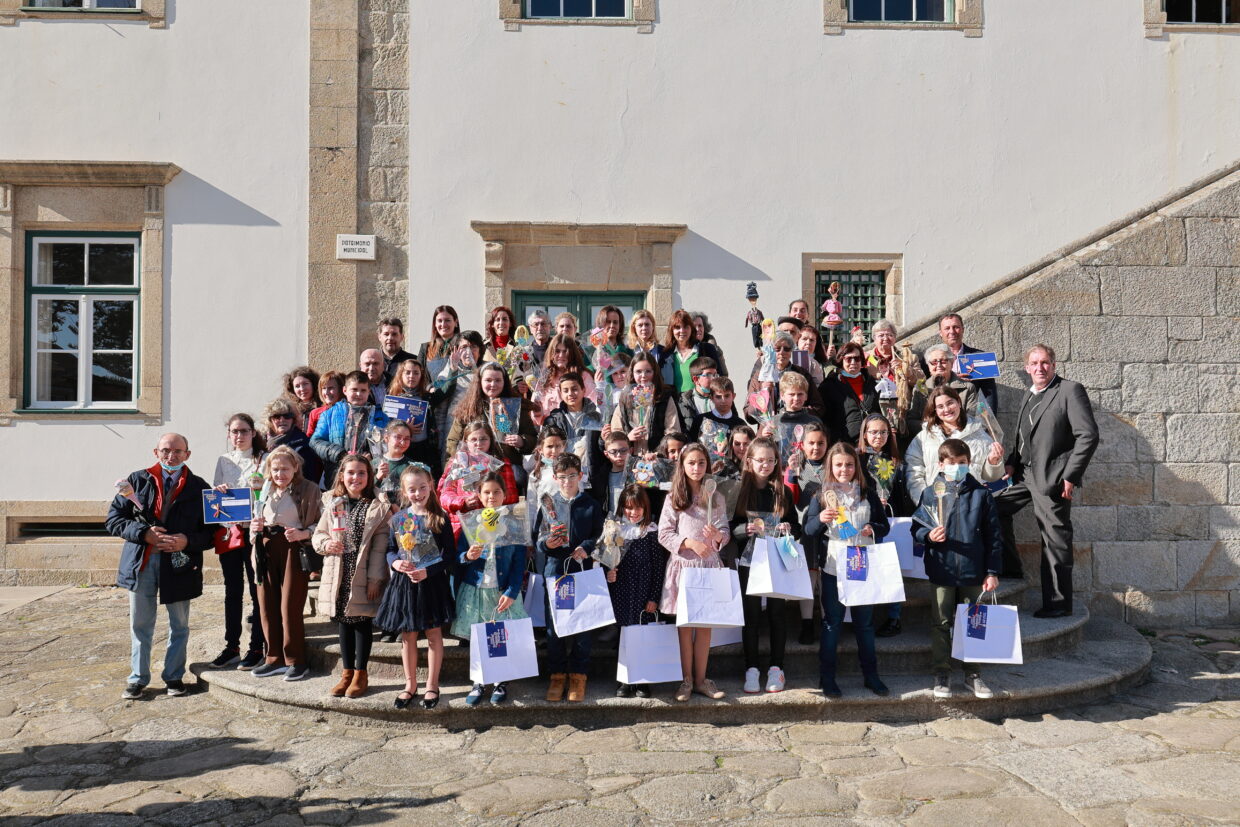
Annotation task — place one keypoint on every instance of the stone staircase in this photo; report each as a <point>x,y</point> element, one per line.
<point>1068,661</point>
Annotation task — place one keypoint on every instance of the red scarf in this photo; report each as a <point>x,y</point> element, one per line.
<point>157,473</point>
<point>500,341</point>
<point>857,383</point>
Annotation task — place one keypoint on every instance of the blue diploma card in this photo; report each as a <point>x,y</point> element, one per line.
<point>976,625</point>
<point>406,409</point>
<point>566,593</point>
<point>232,506</point>
<point>497,640</point>
<point>858,563</point>
<point>977,366</point>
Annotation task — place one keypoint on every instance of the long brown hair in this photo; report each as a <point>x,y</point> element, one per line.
<point>891,449</point>
<point>338,489</point>
<point>680,317</point>
<point>437,345</point>
<point>930,417</point>
<point>600,318</point>
<point>750,485</point>
<point>397,387</point>
<point>681,495</point>
<point>438,517</point>
<point>828,476</point>
<point>475,404</point>
<point>303,372</point>
<point>489,328</point>
<point>576,359</point>
<point>660,389</point>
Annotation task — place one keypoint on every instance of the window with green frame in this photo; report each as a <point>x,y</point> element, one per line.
<point>584,306</point>
<point>82,312</point>
<point>863,294</point>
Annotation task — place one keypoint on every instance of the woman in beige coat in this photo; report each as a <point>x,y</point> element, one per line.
<point>352,536</point>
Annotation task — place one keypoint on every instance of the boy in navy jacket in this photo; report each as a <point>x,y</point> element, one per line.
<point>963,559</point>
<point>568,526</point>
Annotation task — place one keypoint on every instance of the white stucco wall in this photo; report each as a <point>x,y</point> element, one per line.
<point>971,157</point>
<point>222,93</point>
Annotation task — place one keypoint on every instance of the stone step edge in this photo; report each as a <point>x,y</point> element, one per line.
<point>1115,658</point>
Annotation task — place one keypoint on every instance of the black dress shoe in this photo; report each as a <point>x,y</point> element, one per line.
<point>890,628</point>
<point>642,691</point>
<point>625,690</point>
<point>1046,613</point>
<point>875,685</point>
<point>403,700</point>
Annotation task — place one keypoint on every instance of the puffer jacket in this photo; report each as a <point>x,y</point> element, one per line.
<point>371,560</point>
<point>922,459</point>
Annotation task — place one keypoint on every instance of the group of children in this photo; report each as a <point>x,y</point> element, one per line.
<point>768,480</point>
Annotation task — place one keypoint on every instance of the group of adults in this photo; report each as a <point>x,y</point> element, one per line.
<point>458,372</point>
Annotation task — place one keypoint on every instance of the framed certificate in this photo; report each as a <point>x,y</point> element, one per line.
<point>231,506</point>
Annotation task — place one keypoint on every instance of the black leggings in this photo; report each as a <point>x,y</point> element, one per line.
<point>355,640</point>
<point>777,619</point>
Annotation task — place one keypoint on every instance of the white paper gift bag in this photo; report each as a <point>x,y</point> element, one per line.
<point>709,599</point>
<point>580,601</point>
<point>725,636</point>
<point>868,575</point>
<point>912,554</point>
<point>770,577</point>
<point>987,633</point>
<point>535,601</point>
<point>502,651</point>
<point>649,654</point>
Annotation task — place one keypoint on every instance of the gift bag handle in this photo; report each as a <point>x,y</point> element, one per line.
<point>643,613</point>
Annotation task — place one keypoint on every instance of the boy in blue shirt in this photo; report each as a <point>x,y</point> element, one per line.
<point>569,535</point>
<point>963,559</point>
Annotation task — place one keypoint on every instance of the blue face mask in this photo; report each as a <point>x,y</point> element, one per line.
<point>171,469</point>
<point>955,473</point>
<point>848,375</point>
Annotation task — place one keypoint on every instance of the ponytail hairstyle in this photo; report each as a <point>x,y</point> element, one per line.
<point>437,517</point>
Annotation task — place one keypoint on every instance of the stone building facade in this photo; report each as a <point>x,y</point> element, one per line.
<point>1145,315</point>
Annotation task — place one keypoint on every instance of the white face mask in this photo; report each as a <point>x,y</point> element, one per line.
<point>955,473</point>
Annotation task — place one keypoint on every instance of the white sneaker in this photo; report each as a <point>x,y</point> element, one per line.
<point>752,687</point>
<point>775,679</point>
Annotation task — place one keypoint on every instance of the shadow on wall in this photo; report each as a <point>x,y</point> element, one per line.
<point>704,259</point>
<point>197,202</point>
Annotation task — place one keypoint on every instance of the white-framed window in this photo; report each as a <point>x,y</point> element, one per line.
<point>83,4</point>
<point>577,9</point>
<point>1203,11</point>
<point>902,11</point>
<point>82,318</point>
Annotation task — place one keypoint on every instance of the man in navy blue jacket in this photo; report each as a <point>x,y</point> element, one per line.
<point>158,512</point>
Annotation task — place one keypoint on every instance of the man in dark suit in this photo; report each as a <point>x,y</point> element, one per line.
<point>1056,436</point>
<point>951,331</point>
<point>158,512</point>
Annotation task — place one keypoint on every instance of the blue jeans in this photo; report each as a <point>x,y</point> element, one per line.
<point>143,607</point>
<point>833,620</point>
<point>565,654</point>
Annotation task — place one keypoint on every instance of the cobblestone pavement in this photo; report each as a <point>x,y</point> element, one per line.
<point>1167,752</point>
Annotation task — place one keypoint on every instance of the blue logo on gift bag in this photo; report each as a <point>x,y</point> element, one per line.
<point>976,626</point>
<point>566,593</point>
<point>497,640</point>
<point>858,563</point>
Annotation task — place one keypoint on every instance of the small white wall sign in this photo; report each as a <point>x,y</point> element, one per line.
<point>355,247</point>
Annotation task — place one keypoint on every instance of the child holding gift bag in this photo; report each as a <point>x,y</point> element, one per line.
<point>884,471</point>
<point>963,559</point>
<point>846,501</point>
<point>693,531</point>
<point>762,492</point>
<point>805,480</point>
<point>568,526</point>
<point>418,599</point>
<point>490,581</point>
<point>637,581</point>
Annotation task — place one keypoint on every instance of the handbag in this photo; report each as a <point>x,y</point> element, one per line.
<point>912,553</point>
<point>868,575</point>
<point>535,601</point>
<point>229,538</point>
<point>502,650</point>
<point>709,598</point>
<point>649,654</point>
<point>987,633</point>
<point>769,575</point>
<point>580,601</point>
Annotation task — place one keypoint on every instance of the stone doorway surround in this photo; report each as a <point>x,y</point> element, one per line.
<point>530,255</point>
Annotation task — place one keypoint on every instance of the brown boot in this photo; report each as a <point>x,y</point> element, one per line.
<point>555,689</point>
<point>576,688</point>
<point>359,686</point>
<point>346,678</point>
